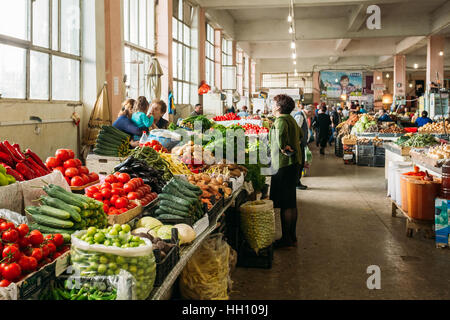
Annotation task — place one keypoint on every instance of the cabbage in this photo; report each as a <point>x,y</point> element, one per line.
<point>185,233</point>
<point>165,232</point>
<point>149,223</point>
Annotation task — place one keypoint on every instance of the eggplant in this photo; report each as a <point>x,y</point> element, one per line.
<point>125,163</point>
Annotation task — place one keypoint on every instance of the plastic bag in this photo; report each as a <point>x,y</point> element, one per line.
<point>308,155</point>
<point>11,197</point>
<point>31,189</point>
<point>258,223</point>
<point>94,260</point>
<point>13,217</point>
<point>206,275</point>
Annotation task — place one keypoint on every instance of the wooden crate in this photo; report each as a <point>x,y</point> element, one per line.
<point>125,217</point>
<point>414,224</point>
<point>101,164</point>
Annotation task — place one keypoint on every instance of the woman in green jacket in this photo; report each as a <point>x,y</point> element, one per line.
<point>286,155</point>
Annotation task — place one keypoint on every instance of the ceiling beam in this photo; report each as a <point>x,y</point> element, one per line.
<point>410,44</point>
<point>341,45</point>
<point>357,18</point>
<point>440,18</point>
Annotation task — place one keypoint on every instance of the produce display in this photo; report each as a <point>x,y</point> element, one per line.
<point>151,226</point>
<point>439,152</point>
<point>180,200</point>
<point>435,127</point>
<point>211,187</point>
<point>349,139</point>
<point>22,166</point>
<point>119,193</point>
<point>189,123</point>
<point>417,141</point>
<point>194,156</point>
<point>254,129</point>
<point>227,170</point>
<point>365,124</point>
<point>106,251</point>
<point>153,160</point>
<point>158,243</point>
<point>66,290</point>
<point>75,174</point>
<point>5,179</point>
<point>156,145</point>
<point>25,251</point>
<point>65,212</point>
<point>392,128</point>
<point>136,168</point>
<point>175,165</point>
<point>228,117</point>
<point>112,142</point>
<point>374,141</point>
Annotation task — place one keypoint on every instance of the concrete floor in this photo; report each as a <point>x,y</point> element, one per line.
<point>344,226</point>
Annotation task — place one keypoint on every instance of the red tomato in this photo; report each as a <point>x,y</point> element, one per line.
<point>52,162</point>
<point>24,263</point>
<point>132,196</point>
<point>92,189</point>
<point>71,172</point>
<point>84,170</point>
<point>128,187</point>
<point>144,202</point>
<point>111,179</point>
<point>71,163</point>
<point>118,192</point>
<point>45,251</point>
<point>37,254</point>
<point>116,174</point>
<point>56,255</point>
<point>68,180</point>
<point>106,202</point>
<point>71,153</point>
<point>117,185</point>
<point>114,199</point>
<point>121,203</point>
<point>98,196</point>
<point>76,181</point>
<point>62,155</point>
<point>123,210</point>
<point>105,185</point>
<point>123,177</point>
<point>60,169</point>
<point>33,263</point>
<point>141,181</point>
<point>147,188</point>
<point>6,225</point>
<point>51,247</point>
<point>106,193</point>
<point>11,254</point>
<point>93,176</point>
<point>79,163</point>
<point>132,205</point>
<point>105,207</point>
<point>86,179</point>
<point>11,272</point>
<point>140,193</point>
<point>11,235</point>
<point>36,238</point>
<point>4,283</point>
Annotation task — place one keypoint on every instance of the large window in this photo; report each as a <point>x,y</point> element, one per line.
<point>240,71</point>
<point>227,52</point>
<point>210,55</point>
<point>287,80</point>
<point>36,63</point>
<point>246,75</point>
<point>228,70</point>
<point>182,51</point>
<point>139,36</point>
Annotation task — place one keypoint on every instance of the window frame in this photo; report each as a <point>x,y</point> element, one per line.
<point>29,46</point>
<point>138,46</point>
<point>288,76</point>
<point>142,51</point>
<point>209,60</point>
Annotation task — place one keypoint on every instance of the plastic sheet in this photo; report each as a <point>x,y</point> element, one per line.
<point>13,217</point>
<point>89,260</point>
<point>206,275</point>
<point>258,223</point>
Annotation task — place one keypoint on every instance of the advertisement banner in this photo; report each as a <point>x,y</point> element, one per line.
<point>333,84</point>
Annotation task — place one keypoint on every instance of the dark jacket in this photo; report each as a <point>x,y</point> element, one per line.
<point>123,123</point>
<point>162,123</point>
<point>336,118</point>
<point>323,123</point>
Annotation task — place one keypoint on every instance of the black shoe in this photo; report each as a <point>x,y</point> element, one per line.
<point>283,244</point>
<point>301,187</point>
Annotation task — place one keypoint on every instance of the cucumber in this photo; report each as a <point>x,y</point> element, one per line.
<point>171,198</point>
<point>52,222</point>
<point>188,185</point>
<point>50,230</point>
<point>173,191</point>
<point>53,212</point>
<point>56,203</point>
<point>32,210</point>
<point>115,132</point>
<point>174,205</point>
<point>106,137</point>
<point>102,152</point>
<point>173,211</point>
<point>107,142</point>
<point>65,196</point>
<point>162,216</point>
<point>180,188</point>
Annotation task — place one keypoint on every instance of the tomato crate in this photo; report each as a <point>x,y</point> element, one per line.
<point>248,258</point>
<point>102,164</point>
<point>166,264</point>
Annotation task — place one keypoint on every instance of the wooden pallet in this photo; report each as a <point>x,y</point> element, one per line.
<point>414,224</point>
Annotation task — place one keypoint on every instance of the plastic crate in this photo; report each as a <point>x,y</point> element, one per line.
<point>364,161</point>
<point>247,257</point>
<point>379,161</point>
<point>338,148</point>
<point>164,266</point>
<point>380,151</point>
<point>365,150</point>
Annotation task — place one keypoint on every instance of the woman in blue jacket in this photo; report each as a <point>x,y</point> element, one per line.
<point>124,123</point>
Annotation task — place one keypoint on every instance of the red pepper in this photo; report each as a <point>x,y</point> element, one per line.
<point>38,160</point>
<point>13,152</point>
<point>13,173</point>
<point>28,174</point>
<point>33,166</point>
<point>6,158</point>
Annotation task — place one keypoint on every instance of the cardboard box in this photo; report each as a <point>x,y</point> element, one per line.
<point>101,164</point>
<point>442,227</point>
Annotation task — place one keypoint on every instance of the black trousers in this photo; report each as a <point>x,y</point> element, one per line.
<point>302,165</point>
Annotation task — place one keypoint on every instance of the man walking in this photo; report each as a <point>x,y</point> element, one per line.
<point>301,117</point>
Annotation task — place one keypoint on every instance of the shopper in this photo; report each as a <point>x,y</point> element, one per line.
<point>140,118</point>
<point>423,120</point>
<point>323,127</point>
<point>335,120</point>
<point>158,110</point>
<point>230,110</point>
<point>285,138</point>
<point>301,117</point>
<point>346,112</point>
<point>243,113</point>
<point>362,109</point>
<point>383,116</point>
<point>198,110</point>
<point>124,123</point>
<point>316,129</point>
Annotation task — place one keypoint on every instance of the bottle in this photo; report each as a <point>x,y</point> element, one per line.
<point>445,188</point>
<point>144,138</point>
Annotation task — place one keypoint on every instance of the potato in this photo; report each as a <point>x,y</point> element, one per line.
<point>219,180</point>
<point>228,191</point>
<point>236,173</point>
<point>206,178</point>
<point>214,181</point>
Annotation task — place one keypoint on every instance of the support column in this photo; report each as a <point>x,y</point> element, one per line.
<point>435,62</point>
<point>218,58</point>
<point>316,87</point>
<point>399,75</point>
<point>202,45</point>
<point>114,55</point>
<point>164,11</point>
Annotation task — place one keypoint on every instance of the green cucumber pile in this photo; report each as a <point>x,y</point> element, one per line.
<point>65,212</point>
<point>112,142</point>
<point>179,200</point>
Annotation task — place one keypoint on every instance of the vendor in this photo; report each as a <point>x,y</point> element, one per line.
<point>124,123</point>
<point>158,110</point>
<point>198,110</point>
<point>243,113</point>
<point>383,116</point>
<point>423,120</point>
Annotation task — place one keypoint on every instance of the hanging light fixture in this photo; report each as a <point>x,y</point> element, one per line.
<point>292,44</point>
<point>291,31</point>
<point>294,56</point>
<point>387,75</point>
<point>441,53</point>
<point>289,18</point>
<point>416,66</point>
<point>295,62</point>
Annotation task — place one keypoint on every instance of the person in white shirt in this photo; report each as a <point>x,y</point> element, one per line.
<point>243,113</point>
<point>346,112</point>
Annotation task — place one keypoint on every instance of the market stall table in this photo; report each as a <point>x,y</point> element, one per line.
<point>394,153</point>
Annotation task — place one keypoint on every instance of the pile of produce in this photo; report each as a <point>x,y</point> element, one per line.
<point>180,200</point>
<point>212,188</point>
<point>21,166</point>
<point>435,127</point>
<point>365,124</point>
<point>228,170</point>
<point>106,251</point>
<point>153,160</point>
<point>65,212</point>
<point>418,141</point>
<point>254,129</point>
<point>392,128</point>
<point>24,251</point>
<point>375,141</point>
<point>194,156</point>
<point>152,226</point>
<point>112,142</point>
<point>162,246</point>
<point>5,179</point>
<point>136,168</point>
<point>189,123</point>
<point>228,117</point>
<point>67,290</point>
<point>75,174</point>
<point>175,165</point>
<point>401,140</point>
<point>156,145</point>
<point>349,139</point>
<point>119,193</point>
<point>439,152</point>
